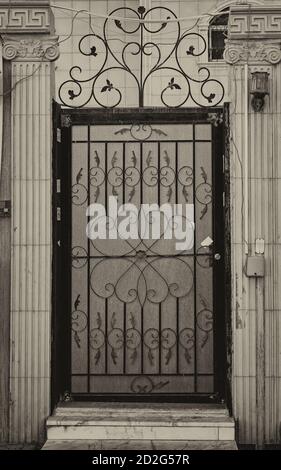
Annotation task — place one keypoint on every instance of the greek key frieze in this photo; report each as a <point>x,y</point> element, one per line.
<point>24,20</point>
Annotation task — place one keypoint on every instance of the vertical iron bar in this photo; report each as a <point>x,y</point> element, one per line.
<point>177,299</point>
<point>124,303</point>
<point>141,200</point>
<point>141,67</point>
<point>88,269</point>
<point>194,263</point>
<point>105,302</point>
<point>160,305</point>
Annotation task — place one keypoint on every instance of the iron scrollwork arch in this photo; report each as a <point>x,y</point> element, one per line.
<point>209,92</point>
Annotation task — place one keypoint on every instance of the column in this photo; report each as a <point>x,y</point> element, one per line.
<point>32,72</point>
<point>254,45</point>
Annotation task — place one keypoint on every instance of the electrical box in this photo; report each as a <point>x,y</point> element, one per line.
<point>255,266</point>
<point>5,208</point>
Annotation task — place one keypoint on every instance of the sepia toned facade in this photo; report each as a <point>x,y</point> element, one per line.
<point>152,102</point>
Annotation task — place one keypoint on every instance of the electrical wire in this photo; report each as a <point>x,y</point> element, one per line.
<point>7,92</point>
<point>173,20</point>
<point>120,18</point>
<point>78,12</point>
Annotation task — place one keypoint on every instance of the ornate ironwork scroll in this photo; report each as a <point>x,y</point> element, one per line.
<point>142,315</point>
<point>138,60</point>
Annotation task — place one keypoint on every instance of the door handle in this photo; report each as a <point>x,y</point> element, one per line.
<point>217,256</point>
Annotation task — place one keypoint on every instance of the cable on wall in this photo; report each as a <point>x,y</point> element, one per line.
<point>123,18</point>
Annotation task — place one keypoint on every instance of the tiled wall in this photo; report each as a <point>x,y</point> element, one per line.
<point>70,55</point>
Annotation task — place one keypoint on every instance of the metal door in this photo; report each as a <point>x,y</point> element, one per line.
<point>146,320</point>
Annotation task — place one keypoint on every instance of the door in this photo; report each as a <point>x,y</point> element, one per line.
<point>146,319</point>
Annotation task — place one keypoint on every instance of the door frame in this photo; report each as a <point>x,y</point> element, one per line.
<point>61,329</point>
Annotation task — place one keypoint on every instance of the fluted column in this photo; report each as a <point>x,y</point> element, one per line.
<point>31,223</point>
<point>254,45</point>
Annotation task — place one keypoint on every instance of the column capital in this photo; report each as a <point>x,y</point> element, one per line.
<point>254,53</point>
<point>30,48</point>
<point>254,35</point>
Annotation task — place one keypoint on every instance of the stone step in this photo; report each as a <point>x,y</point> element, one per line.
<point>117,444</point>
<point>140,422</point>
<point>134,409</point>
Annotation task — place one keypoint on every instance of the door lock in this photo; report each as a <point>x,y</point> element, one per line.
<point>217,256</point>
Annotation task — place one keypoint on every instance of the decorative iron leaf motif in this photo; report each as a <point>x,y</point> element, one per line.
<point>168,356</point>
<point>172,85</point>
<point>94,51</point>
<point>204,321</point>
<point>203,301</point>
<point>159,385</point>
<point>77,302</point>
<point>131,194</point>
<point>190,50</point>
<point>132,320</point>
<point>203,193</point>
<point>79,321</point>
<point>204,211</point>
<point>204,174</point>
<point>134,356</point>
<point>77,339</point>
<point>118,24</point>
<point>114,356</point>
<point>97,158</point>
<point>166,158</point>
<point>141,10</point>
<point>187,356</point>
<point>140,132</point>
<point>148,158</point>
<point>113,321</point>
<point>114,159</point>
<point>159,132</point>
<point>134,159</point>
<point>99,320</point>
<point>204,340</point>
<point>71,94</point>
<point>96,194</point>
<point>211,97</point>
<point>107,87</point>
<point>150,357</point>
<point>79,176</point>
<point>122,131</point>
<point>97,339</point>
<point>169,194</point>
<point>97,357</point>
<point>114,192</point>
<point>185,194</point>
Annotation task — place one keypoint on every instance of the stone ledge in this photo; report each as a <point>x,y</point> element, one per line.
<point>137,445</point>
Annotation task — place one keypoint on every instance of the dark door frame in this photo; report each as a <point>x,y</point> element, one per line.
<point>62,238</point>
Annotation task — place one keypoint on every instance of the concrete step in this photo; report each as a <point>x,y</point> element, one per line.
<point>134,409</point>
<point>117,444</point>
<point>150,422</point>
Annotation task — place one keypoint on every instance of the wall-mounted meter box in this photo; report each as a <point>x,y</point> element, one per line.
<point>255,266</point>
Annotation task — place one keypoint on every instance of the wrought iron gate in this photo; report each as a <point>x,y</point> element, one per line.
<point>145,319</point>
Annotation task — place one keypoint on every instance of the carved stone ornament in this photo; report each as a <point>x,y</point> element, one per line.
<point>31,48</point>
<point>33,18</point>
<point>255,22</point>
<point>255,52</point>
